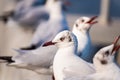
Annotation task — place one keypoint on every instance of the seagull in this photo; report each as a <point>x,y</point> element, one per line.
<point>66,62</point>
<point>105,66</point>
<point>22,7</point>
<point>56,23</point>
<point>81,29</point>
<point>39,60</point>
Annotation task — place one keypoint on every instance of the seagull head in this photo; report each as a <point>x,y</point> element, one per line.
<point>106,55</point>
<point>84,23</point>
<point>64,38</point>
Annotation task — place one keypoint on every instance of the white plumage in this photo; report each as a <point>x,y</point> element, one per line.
<point>66,63</point>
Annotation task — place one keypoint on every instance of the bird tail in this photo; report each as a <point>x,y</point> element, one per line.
<point>7,59</point>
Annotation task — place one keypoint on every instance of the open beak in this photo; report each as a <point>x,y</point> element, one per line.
<point>116,46</point>
<point>48,43</point>
<point>91,21</point>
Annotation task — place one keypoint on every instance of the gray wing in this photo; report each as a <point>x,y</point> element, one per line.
<point>33,16</point>
<point>41,57</point>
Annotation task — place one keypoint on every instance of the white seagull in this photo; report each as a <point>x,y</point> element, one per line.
<point>66,62</point>
<point>81,30</point>
<point>106,68</point>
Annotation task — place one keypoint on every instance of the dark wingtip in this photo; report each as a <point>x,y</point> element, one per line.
<point>6,16</point>
<point>7,58</point>
<point>32,47</point>
<point>4,19</point>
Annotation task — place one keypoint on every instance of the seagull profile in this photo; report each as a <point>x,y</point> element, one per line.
<point>81,29</point>
<point>66,62</point>
<point>56,23</point>
<point>105,66</point>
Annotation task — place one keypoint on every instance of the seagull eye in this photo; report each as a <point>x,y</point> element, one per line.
<point>76,25</point>
<point>82,20</point>
<point>107,53</point>
<point>62,38</point>
<point>70,39</point>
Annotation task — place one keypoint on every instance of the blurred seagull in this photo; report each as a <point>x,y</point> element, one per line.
<point>21,9</point>
<point>81,30</point>
<point>56,23</point>
<point>66,62</point>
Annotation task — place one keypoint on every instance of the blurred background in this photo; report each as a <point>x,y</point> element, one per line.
<point>102,34</point>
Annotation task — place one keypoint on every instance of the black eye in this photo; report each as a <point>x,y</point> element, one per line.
<point>62,38</point>
<point>82,20</point>
<point>103,62</point>
<point>70,39</point>
<point>76,25</point>
<point>107,53</point>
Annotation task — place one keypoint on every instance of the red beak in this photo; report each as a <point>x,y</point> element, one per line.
<point>91,21</point>
<point>116,47</point>
<point>48,43</point>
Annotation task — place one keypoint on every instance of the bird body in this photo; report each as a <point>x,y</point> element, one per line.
<point>81,29</point>
<point>66,61</point>
<point>106,68</point>
<point>56,23</point>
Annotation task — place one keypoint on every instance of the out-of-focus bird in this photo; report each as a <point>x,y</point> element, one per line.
<point>56,23</point>
<point>81,30</point>
<point>66,62</point>
<point>22,8</point>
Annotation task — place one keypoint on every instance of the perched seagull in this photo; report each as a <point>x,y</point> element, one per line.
<point>40,60</point>
<point>21,9</point>
<point>81,30</point>
<point>56,23</point>
<point>66,62</point>
<point>105,66</point>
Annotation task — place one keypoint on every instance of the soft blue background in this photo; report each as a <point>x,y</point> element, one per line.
<point>92,7</point>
